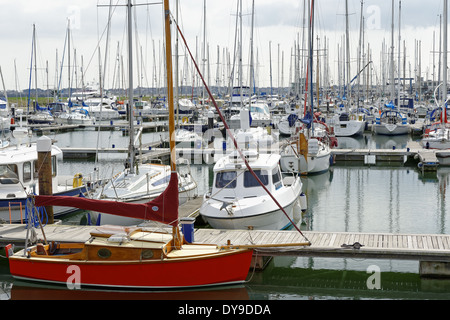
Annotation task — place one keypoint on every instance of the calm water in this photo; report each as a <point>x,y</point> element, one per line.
<point>347,198</point>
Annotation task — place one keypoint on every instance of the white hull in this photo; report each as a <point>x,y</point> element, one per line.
<point>349,128</point>
<point>315,163</point>
<point>390,129</point>
<point>439,139</point>
<point>265,220</point>
<point>142,187</point>
<point>110,219</point>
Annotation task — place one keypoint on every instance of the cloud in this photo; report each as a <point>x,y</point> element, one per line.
<point>277,21</point>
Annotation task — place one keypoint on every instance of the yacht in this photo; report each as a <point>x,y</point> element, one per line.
<point>391,122</point>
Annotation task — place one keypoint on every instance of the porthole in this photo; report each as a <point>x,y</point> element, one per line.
<point>104,253</point>
<point>147,254</point>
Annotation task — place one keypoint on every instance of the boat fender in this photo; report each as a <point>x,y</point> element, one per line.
<point>303,202</point>
<point>77,180</point>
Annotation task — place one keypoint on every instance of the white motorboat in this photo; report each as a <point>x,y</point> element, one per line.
<point>102,108</point>
<point>19,173</point>
<point>238,201</point>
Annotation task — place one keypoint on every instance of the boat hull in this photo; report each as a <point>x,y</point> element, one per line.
<point>267,220</point>
<point>349,128</point>
<point>390,129</point>
<point>224,268</point>
<point>315,164</point>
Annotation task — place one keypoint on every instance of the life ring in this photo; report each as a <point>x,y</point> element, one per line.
<point>185,119</point>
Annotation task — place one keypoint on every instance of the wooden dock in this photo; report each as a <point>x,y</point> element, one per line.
<point>431,250</point>
<point>426,159</point>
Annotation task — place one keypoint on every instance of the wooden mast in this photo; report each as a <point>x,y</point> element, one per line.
<point>177,239</point>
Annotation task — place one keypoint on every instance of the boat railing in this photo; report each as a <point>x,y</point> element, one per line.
<point>20,210</point>
<point>78,180</point>
<point>289,178</point>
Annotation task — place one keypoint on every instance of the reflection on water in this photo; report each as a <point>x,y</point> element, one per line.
<point>26,291</point>
<point>284,278</point>
<point>378,199</point>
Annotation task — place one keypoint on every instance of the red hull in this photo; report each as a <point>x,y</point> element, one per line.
<point>221,269</point>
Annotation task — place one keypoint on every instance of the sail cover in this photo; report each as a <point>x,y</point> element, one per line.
<point>163,209</point>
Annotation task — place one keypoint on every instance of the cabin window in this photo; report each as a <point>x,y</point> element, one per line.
<point>26,171</point>
<point>9,174</point>
<point>276,176</point>
<point>104,253</point>
<point>250,181</point>
<point>147,254</point>
<point>226,179</point>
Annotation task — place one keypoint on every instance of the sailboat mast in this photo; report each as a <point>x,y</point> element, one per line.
<point>347,44</point>
<point>444,58</point>
<point>130,89</point>
<point>392,55</point>
<point>170,85</point>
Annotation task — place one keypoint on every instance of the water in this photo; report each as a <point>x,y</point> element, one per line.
<point>350,197</point>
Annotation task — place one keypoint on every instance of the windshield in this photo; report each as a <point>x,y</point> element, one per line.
<point>8,174</point>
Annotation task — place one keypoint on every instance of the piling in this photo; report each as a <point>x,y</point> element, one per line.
<point>44,167</point>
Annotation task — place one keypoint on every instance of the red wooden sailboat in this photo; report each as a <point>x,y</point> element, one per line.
<point>123,257</point>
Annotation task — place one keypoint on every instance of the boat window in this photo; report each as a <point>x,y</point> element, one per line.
<point>226,179</point>
<point>104,253</point>
<point>26,171</point>
<point>9,174</point>
<point>276,176</point>
<point>250,180</point>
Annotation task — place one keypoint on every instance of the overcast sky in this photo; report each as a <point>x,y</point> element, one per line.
<point>279,22</point>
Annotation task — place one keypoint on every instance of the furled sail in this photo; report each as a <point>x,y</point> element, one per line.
<point>162,209</point>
